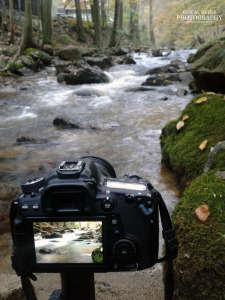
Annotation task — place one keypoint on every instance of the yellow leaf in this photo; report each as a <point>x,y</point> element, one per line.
<point>202,212</point>
<point>203,145</point>
<point>200,100</point>
<point>185,117</point>
<point>154,81</point>
<point>180,124</point>
<point>211,93</point>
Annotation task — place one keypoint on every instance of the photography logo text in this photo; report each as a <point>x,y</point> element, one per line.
<point>200,16</point>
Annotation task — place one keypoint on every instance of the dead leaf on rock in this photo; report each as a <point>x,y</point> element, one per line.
<point>180,124</point>
<point>202,212</point>
<point>211,93</point>
<point>200,100</point>
<point>203,145</point>
<point>185,117</point>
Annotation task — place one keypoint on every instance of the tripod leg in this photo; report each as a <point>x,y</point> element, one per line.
<point>78,286</point>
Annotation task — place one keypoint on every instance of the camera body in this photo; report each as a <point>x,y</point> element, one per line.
<point>83,218</point>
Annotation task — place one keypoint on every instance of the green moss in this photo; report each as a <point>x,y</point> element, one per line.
<point>97,255</point>
<point>201,51</point>
<point>180,149</point>
<point>210,57</point>
<point>199,267</point>
<point>65,38</point>
<point>13,67</point>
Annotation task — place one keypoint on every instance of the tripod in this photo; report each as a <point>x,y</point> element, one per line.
<point>75,286</point>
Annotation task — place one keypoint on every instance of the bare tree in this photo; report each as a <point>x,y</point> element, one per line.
<point>12,31</point>
<point>134,32</point>
<point>114,36</point>
<point>152,36</point>
<point>45,7</point>
<point>97,23</point>
<point>81,36</point>
<point>103,14</point>
<point>27,41</point>
<point>4,22</point>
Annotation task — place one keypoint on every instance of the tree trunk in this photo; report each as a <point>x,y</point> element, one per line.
<point>27,41</point>
<point>81,36</point>
<point>4,21</point>
<point>134,32</point>
<point>114,37</point>
<point>152,37</point>
<point>121,16</point>
<point>97,23</point>
<point>12,32</point>
<point>103,14</point>
<point>45,7</point>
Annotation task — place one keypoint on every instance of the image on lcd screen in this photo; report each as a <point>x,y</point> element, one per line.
<point>68,242</point>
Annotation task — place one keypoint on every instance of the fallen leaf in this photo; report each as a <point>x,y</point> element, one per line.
<point>180,124</point>
<point>154,81</point>
<point>211,93</point>
<point>202,212</point>
<point>185,117</point>
<point>200,100</point>
<point>203,145</point>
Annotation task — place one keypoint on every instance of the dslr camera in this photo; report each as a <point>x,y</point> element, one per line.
<point>83,218</point>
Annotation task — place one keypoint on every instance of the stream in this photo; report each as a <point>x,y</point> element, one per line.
<point>128,122</point>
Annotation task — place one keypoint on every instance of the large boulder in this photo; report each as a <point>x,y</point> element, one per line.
<point>70,53</point>
<point>103,62</point>
<point>208,67</point>
<point>86,76</point>
<point>162,80</point>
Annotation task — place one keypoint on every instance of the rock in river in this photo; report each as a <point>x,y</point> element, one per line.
<point>86,76</point>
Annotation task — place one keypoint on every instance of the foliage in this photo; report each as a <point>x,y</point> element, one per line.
<point>180,149</point>
<point>199,268</point>
<point>66,39</point>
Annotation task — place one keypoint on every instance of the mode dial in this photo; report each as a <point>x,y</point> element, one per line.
<point>124,250</point>
<point>32,185</point>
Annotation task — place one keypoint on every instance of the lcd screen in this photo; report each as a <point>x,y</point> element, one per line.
<point>68,242</point>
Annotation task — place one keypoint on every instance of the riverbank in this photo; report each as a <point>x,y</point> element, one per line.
<point>193,147</point>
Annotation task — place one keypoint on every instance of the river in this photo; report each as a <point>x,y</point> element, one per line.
<point>129,123</point>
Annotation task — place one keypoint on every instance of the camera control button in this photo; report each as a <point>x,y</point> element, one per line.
<point>25,206</point>
<point>107,204</point>
<point>139,200</point>
<point>129,198</point>
<point>35,206</point>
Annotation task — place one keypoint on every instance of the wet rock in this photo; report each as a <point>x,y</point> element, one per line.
<point>70,53</point>
<point>103,62</point>
<point>161,80</point>
<point>30,140</point>
<point>181,92</point>
<point>178,63</point>
<point>61,77</point>
<point>53,235</point>
<point>157,52</point>
<point>40,56</point>
<point>61,66</point>
<point>186,77</point>
<point>11,50</point>
<point>121,51</point>
<point>65,122</point>
<point>128,60</point>
<point>46,251</point>
<point>10,288</point>
<point>170,68</point>
<point>2,63</point>
<point>140,89</point>
<point>86,76</point>
<point>24,71</point>
<point>9,90</point>
<point>29,62</point>
<point>164,98</point>
<point>208,67</point>
<point>8,192</point>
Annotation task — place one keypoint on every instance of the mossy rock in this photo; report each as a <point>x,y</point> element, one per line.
<point>209,67</point>
<point>199,268</point>
<point>97,255</point>
<point>180,148</point>
<point>38,55</point>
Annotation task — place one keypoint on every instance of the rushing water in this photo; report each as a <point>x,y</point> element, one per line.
<point>129,123</point>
